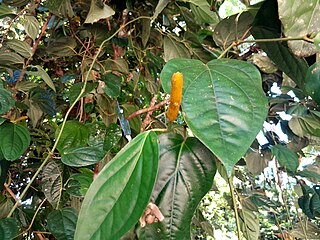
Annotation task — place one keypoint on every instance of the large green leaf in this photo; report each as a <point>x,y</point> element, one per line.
<point>313,82</point>
<point>117,198</point>
<point>232,28</point>
<point>15,139</point>
<point>52,184</point>
<point>186,171</point>
<point>75,134</point>
<point>8,228</point>
<point>6,101</point>
<point>286,157</point>
<point>82,156</point>
<point>98,12</point>
<point>267,25</point>
<point>223,102</point>
<point>62,223</point>
<point>299,18</point>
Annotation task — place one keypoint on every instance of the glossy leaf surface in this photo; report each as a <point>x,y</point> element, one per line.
<point>82,156</point>
<point>75,134</point>
<point>15,139</point>
<point>62,223</point>
<point>119,195</point>
<point>186,171</point>
<point>223,102</point>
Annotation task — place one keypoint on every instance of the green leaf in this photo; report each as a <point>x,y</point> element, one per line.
<point>82,156</point>
<point>119,195</point>
<point>62,47</point>
<point>112,137</point>
<point>249,225</point>
<point>135,122</point>
<point>75,90</point>
<point>305,125</point>
<point>43,74</point>
<point>278,52</point>
<point>75,134</point>
<point>286,157</point>
<point>31,26</point>
<point>78,184</point>
<point>298,18</point>
<point>174,49</point>
<point>98,12</point>
<point>232,28</point>
<point>20,47</point>
<point>112,84</point>
<point>5,205</point>
<point>62,223</point>
<point>202,11</point>
<point>52,184</point>
<point>14,141</point>
<point>224,104</point>
<point>6,101</point>
<point>159,8</point>
<point>186,171</point>
<point>313,82</point>
<point>61,8</point>
<point>10,58</point>
<point>5,11</point>
<point>9,228</point>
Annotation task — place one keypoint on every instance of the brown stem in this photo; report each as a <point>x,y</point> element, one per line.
<point>134,114</point>
<point>6,186</point>
<point>147,119</point>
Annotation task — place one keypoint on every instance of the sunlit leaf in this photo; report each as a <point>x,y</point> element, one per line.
<point>119,195</point>
<point>223,102</point>
<point>308,12</point>
<point>43,74</point>
<point>98,12</point>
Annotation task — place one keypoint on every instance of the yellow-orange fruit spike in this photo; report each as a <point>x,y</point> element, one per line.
<point>176,96</point>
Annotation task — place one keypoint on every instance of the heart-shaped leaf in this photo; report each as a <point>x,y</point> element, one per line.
<point>117,198</point>
<point>15,139</point>
<point>75,134</point>
<point>224,104</point>
<point>186,171</point>
<point>82,156</point>
<point>62,223</point>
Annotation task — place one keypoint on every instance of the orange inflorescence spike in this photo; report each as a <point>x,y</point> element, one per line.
<point>176,96</point>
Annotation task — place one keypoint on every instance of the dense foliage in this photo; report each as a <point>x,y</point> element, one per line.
<point>87,150</point>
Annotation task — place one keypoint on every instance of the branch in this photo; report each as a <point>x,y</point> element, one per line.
<point>6,186</point>
<point>149,109</point>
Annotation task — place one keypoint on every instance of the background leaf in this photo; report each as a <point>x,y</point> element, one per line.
<point>15,139</point>
<point>98,12</point>
<point>31,26</point>
<point>62,223</point>
<point>202,11</point>
<point>20,47</point>
<point>61,8</point>
<point>233,105</point>
<point>52,183</point>
<point>286,157</point>
<point>8,228</point>
<point>174,49</point>
<point>176,193</point>
<point>43,74</point>
<point>308,12</point>
<point>125,181</point>
<point>267,25</point>
<point>249,225</point>
<point>313,82</point>
<point>6,101</point>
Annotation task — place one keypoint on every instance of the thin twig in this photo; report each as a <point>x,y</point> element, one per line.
<point>6,186</point>
<point>147,119</point>
<point>134,114</point>
<point>230,183</point>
